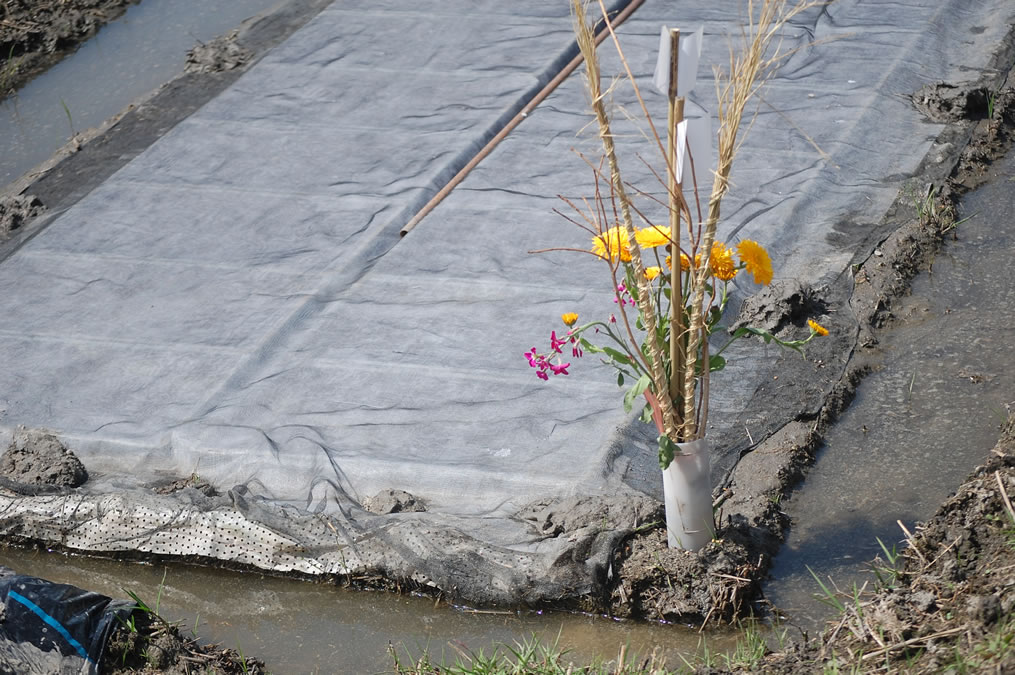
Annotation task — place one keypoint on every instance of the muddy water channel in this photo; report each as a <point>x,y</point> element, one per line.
<point>128,58</point>
<point>297,626</point>
<point>923,421</point>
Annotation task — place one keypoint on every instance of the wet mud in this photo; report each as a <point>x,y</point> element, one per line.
<point>219,55</point>
<point>35,34</point>
<point>36,460</point>
<point>148,644</point>
<point>945,604</point>
<point>16,211</point>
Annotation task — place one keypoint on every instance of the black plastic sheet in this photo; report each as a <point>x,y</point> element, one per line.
<point>47,627</point>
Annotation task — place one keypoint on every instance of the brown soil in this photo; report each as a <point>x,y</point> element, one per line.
<point>15,211</point>
<point>150,645</point>
<point>35,34</point>
<point>217,56</point>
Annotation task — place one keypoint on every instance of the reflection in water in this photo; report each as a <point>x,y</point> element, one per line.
<point>298,626</point>
<point>922,422</point>
<point>129,57</point>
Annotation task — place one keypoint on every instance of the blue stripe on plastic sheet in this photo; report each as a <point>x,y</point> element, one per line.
<point>52,622</point>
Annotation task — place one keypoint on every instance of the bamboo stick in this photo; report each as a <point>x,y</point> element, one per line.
<point>675,114</point>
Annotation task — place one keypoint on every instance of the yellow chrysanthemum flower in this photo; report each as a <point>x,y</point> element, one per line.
<point>650,237</point>
<point>817,327</point>
<point>685,262</point>
<point>569,319</point>
<point>612,244</point>
<point>721,262</point>
<point>756,260</point>
<point>652,272</point>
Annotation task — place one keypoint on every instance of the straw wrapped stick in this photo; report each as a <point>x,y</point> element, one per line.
<point>657,368</point>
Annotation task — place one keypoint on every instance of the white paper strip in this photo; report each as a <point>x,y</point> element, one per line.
<point>699,141</point>
<point>681,148</point>
<point>695,134</point>
<point>687,64</point>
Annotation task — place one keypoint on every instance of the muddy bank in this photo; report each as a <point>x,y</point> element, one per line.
<point>946,603</point>
<point>36,34</point>
<point>149,644</point>
<point>37,463</point>
<point>93,155</point>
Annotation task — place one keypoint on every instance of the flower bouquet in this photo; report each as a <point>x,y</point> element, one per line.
<point>671,279</point>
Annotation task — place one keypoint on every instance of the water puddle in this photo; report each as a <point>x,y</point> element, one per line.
<point>921,423</point>
<point>298,626</point>
<point>129,57</point>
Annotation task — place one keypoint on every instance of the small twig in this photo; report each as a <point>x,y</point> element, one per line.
<point>912,543</point>
<point>911,642</point>
<point>831,639</point>
<point>1004,496</point>
<point>707,616</point>
<point>565,248</point>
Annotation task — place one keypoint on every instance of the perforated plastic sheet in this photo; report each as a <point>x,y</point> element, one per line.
<point>235,303</point>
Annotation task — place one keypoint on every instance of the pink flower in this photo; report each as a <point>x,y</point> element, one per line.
<point>532,356</point>
<point>556,344</point>
<point>544,367</point>
<point>623,296</point>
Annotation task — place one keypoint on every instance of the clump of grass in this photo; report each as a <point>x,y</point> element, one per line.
<point>531,656</point>
<point>146,642</point>
<point>749,651</point>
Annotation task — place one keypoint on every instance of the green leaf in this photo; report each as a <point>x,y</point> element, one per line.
<point>714,315</point>
<point>740,332</point>
<point>620,379</point>
<point>646,414</point>
<point>594,349</point>
<point>634,392</point>
<point>667,449</point>
<point>617,356</point>
<point>715,363</point>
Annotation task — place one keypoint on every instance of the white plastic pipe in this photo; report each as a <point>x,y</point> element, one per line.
<point>687,493</point>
